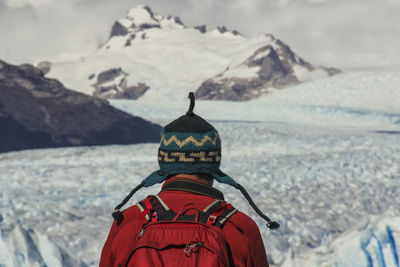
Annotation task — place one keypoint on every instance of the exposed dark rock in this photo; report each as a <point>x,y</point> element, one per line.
<point>31,68</point>
<point>113,84</point>
<point>272,73</point>
<point>37,112</point>
<point>178,21</point>
<point>289,57</point>
<point>132,92</point>
<point>145,26</point>
<point>222,29</point>
<point>131,38</point>
<point>44,66</point>
<point>107,82</point>
<point>272,67</point>
<point>106,91</point>
<point>118,30</point>
<point>91,76</point>
<point>235,32</point>
<point>144,36</point>
<point>236,89</point>
<point>151,13</point>
<point>201,28</point>
<point>275,70</point>
<point>108,75</point>
<point>331,71</point>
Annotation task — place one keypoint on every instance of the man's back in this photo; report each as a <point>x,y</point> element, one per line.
<point>241,233</point>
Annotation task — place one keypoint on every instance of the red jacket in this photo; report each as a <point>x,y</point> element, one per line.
<point>241,233</point>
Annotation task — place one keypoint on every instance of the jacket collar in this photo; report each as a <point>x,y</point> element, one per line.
<point>191,185</point>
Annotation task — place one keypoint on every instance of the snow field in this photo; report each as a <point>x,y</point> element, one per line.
<point>317,184</point>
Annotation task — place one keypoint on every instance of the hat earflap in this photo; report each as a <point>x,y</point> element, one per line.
<point>226,179</point>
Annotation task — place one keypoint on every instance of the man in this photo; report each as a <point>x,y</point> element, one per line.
<point>189,157</point>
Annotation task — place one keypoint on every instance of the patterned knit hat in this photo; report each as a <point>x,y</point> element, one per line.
<point>190,145</point>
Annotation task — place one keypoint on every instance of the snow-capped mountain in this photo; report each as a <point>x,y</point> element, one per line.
<point>150,56</point>
<point>272,66</point>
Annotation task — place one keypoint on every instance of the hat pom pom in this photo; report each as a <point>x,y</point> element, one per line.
<point>118,216</point>
<point>192,102</point>
<point>273,225</point>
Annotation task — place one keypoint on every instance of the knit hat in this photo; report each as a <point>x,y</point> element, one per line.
<point>190,144</point>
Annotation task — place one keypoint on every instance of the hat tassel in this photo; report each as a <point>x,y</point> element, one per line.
<point>272,225</point>
<point>117,214</point>
<point>192,102</point>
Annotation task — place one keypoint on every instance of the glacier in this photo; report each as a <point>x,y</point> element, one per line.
<point>21,247</point>
<point>322,158</point>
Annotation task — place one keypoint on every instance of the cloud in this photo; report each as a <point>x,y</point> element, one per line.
<point>39,29</point>
<point>35,3</point>
<point>46,29</point>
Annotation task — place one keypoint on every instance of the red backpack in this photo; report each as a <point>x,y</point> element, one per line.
<point>174,239</point>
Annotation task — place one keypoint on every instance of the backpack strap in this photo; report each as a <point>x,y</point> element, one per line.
<point>224,217</point>
<point>214,205</point>
<point>158,204</point>
<point>147,209</point>
<point>219,212</point>
<point>142,209</point>
<point>152,207</point>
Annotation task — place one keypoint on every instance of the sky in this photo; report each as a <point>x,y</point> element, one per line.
<point>337,31</point>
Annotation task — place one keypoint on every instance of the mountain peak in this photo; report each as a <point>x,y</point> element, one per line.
<point>142,15</point>
<point>141,18</point>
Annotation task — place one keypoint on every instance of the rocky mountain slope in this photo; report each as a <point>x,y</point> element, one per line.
<point>37,112</point>
<point>153,57</point>
<point>272,66</point>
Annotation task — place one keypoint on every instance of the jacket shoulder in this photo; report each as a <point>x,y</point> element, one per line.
<point>131,212</point>
<point>242,220</point>
<point>243,226</point>
<point>245,240</point>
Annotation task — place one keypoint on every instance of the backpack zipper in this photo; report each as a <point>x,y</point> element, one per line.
<point>191,247</point>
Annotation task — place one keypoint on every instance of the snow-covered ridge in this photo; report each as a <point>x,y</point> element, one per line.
<point>142,17</point>
<point>139,20</point>
<point>274,65</point>
<point>157,57</point>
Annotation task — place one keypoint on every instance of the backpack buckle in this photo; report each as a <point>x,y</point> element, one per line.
<point>190,248</point>
<point>211,219</point>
